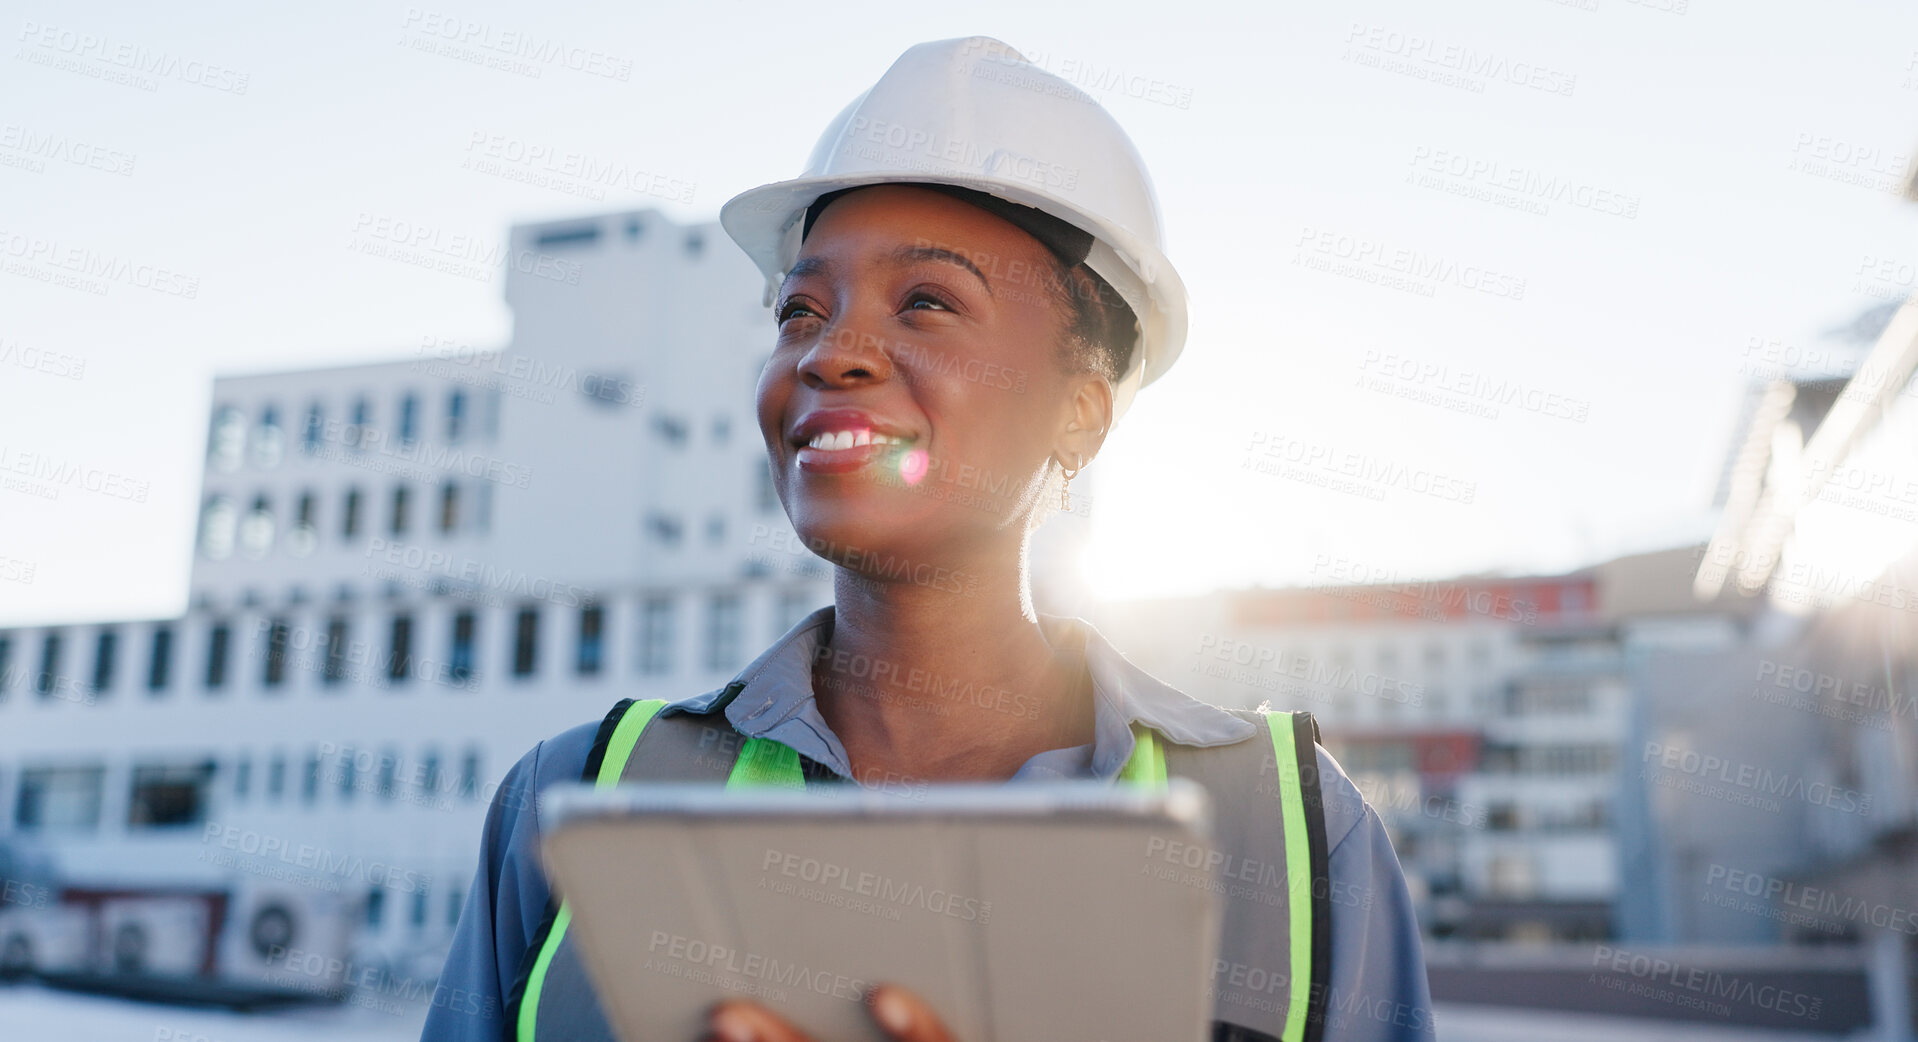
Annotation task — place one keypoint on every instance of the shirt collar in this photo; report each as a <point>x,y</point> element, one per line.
<point>772,697</point>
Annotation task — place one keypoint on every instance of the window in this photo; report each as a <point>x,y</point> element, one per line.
<point>159,658</point>
<point>59,798</point>
<point>104,650</point>
<point>356,432</point>
<point>459,664</point>
<point>350,517</point>
<point>276,777</point>
<point>6,664</point>
<point>454,899</point>
<point>166,795</point>
<point>722,429</point>
<point>455,416</point>
<point>333,670</point>
<point>656,636</point>
<point>315,427</point>
<point>226,442</point>
<point>276,640</point>
<point>492,413</point>
<point>400,503</point>
<point>419,910</point>
<point>469,774</point>
<point>722,631</point>
<point>671,428</point>
<point>242,776</point>
<point>429,780</point>
<point>310,778</point>
<point>525,641</point>
<point>389,766</point>
<point>399,664</point>
<point>716,529</point>
<point>664,528</point>
<point>591,618</point>
<point>409,419</point>
<point>794,605</point>
<point>768,500</point>
<point>256,530</point>
<point>695,244</point>
<point>305,533</point>
<point>375,907</point>
<point>349,773</point>
<point>216,644</point>
<point>219,527</point>
<point>449,506</point>
<point>482,506</point>
<point>49,665</point>
<point>269,442</point>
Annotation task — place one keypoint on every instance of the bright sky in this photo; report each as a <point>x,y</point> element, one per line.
<point>1603,204</point>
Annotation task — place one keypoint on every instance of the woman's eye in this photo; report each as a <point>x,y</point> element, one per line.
<point>792,308</point>
<point>916,299</point>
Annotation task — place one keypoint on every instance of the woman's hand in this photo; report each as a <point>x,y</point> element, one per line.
<point>903,1016</point>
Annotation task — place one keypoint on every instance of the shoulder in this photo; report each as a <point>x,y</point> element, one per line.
<point>1345,806</point>
<point>557,759</point>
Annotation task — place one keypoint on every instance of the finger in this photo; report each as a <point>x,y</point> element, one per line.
<point>737,1021</point>
<point>905,1016</point>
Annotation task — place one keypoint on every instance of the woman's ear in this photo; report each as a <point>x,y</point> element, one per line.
<point>1088,417</point>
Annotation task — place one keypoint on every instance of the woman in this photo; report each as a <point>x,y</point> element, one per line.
<point>968,289</point>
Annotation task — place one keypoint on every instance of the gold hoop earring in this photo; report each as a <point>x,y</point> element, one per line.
<point>1065,493</point>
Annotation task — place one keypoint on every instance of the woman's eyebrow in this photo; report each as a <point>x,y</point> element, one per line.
<point>910,254</point>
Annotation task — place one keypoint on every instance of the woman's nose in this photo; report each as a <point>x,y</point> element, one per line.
<point>844,355</point>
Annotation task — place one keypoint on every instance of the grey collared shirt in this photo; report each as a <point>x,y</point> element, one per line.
<point>1378,987</point>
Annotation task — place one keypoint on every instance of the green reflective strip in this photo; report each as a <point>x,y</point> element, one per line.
<point>1298,873</point>
<point>1146,765</point>
<point>611,765</point>
<point>529,1002</point>
<point>620,747</point>
<point>764,762</point>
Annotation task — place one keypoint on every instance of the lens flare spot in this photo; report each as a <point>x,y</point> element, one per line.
<point>912,466</point>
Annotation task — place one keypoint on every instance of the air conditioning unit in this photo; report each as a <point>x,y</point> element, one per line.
<point>287,936</point>
<point>41,938</point>
<point>153,936</point>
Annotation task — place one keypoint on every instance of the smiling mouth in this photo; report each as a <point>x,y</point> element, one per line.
<point>840,441</point>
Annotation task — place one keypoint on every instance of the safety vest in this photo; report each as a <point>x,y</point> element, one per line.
<point>1279,938</point>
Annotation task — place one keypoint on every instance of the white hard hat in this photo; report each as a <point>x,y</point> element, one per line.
<point>974,113</point>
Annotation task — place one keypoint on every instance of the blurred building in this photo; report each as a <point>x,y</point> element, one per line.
<point>1489,720</point>
<point>406,574</point>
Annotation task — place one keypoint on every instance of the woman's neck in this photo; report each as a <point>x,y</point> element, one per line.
<point>946,680</point>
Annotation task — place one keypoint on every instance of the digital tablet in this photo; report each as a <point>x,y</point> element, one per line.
<point>1072,910</point>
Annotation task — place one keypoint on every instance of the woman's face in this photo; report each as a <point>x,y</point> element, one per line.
<point>921,329</point>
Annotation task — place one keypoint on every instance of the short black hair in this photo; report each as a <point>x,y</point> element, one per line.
<point>1101,331</point>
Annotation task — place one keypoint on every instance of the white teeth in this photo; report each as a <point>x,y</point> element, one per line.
<point>833,441</point>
